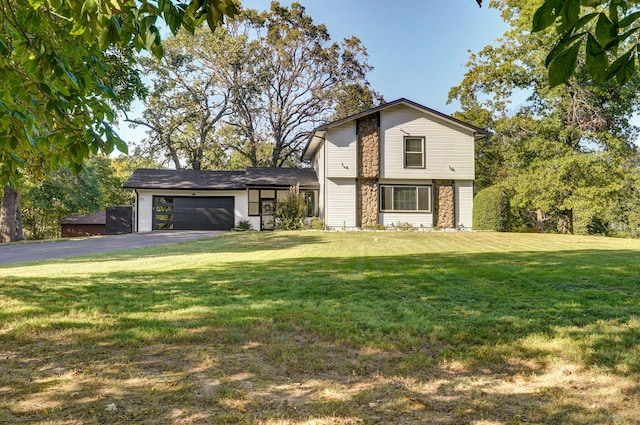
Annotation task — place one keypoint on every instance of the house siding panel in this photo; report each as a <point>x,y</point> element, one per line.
<point>449,149</point>
<point>145,203</point>
<point>464,204</point>
<point>341,148</point>
<point>341,203</point>
<point>318,164</point>
<point>417,220</point>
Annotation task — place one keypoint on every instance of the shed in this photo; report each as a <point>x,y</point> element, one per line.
<point>75,225</point>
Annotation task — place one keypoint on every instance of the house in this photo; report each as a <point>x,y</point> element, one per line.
<point>397,164</point>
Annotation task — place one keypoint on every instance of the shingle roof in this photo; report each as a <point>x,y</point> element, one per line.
<point>99,217</point>
<point>274,176</point>
<point>144,178</point>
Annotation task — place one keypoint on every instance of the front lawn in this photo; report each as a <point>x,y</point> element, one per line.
<point>328,328</point>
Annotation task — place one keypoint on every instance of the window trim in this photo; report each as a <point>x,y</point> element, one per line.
<point>422,153</point>
<point>429,187</point>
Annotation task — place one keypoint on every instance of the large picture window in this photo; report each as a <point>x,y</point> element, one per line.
<point>258,195</point>
<point>405,198</point>
<point>414,152</point>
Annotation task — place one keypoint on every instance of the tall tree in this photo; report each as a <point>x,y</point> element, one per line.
<point>56,57</point>
<point>187,100</point>
<point>546,143</point>
<point>281,74</point>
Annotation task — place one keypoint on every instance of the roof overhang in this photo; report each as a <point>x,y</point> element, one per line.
<point>316,138</point>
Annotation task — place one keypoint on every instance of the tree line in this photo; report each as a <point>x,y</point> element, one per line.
<point>557,92</point>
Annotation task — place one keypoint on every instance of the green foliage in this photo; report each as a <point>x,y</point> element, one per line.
<point>604,32</point>
<point>243,225</point>
<point>316,224</point>
<point>62,73</point>
<point>491,210</point>
<point>563,153</point>
<point>273,76</point>
<point>63,192</point>
<point>291,211</point>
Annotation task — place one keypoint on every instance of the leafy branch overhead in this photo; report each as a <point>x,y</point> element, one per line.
<point>67,64</point>
<point>604,31</point>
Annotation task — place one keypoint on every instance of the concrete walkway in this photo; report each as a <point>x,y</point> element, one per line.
<point>17,253</point>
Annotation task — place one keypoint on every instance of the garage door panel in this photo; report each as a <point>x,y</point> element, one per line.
<point>203,213</point>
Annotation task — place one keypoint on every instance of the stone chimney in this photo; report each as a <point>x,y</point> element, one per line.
<point>368,129</point>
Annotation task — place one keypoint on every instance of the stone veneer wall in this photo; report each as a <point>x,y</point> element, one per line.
<point>368,170</point>
<point>445,208</point>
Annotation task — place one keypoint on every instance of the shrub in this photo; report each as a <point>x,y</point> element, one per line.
<point>597,226</point>
<point>491,210</point>
<point>316,224</point>
<point>291,211</point>
<point>243,225</point>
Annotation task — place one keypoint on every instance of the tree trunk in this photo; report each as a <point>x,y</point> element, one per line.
<point>566,222</point>
<point>8,215</point>
<point>19,232</point>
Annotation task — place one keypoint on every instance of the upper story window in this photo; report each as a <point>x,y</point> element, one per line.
<point>414,152</point>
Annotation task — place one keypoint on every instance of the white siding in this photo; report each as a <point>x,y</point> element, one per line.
<point>341,204</point>
<point>464,204</point>
<point>417,220</point>
<point>449,149</point>
<point>341,149</point>
<point>145,204</point>
<point>318,163</point>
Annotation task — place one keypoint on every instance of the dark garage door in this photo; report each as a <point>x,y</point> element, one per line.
<point>193,213</point>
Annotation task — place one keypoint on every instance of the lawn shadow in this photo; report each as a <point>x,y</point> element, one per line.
<point>368,338</point>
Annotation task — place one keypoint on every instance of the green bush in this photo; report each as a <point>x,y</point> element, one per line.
<point>491,210</point>
<point>291,211</point>
<point>243,226</point>
<point>316,224</point>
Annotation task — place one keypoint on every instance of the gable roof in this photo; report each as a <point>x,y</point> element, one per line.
<point>145,178</point>
<point>318,133</point>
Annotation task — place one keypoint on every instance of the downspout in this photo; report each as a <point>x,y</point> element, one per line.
<point>137,204</point>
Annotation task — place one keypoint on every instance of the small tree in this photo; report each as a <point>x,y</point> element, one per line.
<point>491,210</point>
<point>291,211</point>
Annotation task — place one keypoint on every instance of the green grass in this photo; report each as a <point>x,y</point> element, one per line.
<point>328,328</point>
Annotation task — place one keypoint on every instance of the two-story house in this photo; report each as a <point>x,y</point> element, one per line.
<point>397,164</point>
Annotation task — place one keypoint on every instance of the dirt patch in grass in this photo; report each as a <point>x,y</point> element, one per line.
<point>286,379</point>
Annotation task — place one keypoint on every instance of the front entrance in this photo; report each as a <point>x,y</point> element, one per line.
<point>267,221</point>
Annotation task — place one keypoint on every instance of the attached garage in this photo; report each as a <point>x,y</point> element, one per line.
<point>213,200</point>
<point>193,213</point>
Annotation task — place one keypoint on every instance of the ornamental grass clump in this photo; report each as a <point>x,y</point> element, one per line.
<point>291,211</point>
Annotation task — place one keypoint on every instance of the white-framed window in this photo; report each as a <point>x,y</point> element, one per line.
<point>404,198</point>
<point>414,152</point>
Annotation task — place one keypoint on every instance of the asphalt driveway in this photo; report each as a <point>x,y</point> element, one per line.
<point>17,253</point>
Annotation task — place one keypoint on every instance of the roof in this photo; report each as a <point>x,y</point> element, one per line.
<point>144,178</point>
<point>99,217</point>
<point>478,132</point>
<point>275,176</point>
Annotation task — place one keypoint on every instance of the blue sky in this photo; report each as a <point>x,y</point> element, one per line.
<point>418,48</point>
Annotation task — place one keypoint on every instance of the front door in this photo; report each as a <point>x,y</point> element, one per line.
<point>267,221</point>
